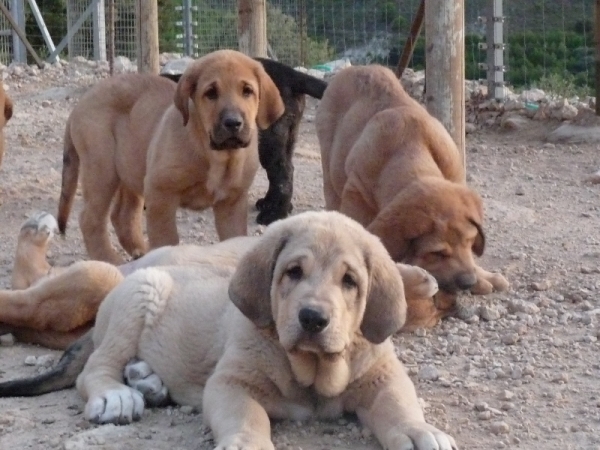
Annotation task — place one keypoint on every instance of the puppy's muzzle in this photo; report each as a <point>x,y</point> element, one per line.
<point>231,132</point>
<point>461,282</point>
<point>312,320</point>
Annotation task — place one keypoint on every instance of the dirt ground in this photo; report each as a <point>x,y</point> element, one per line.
<point>517,370</point>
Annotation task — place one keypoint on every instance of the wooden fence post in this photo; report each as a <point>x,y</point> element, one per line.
<point>445,66</point>
<point>147,39</point>
<point>252,27</point>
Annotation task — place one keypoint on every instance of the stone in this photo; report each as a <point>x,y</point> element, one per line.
<point>7,340</point>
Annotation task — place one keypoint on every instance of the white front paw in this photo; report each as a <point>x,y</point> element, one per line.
<point>120,406</point>
<point>140,376</point>
<point>245,442</point>
<point>421,436</point>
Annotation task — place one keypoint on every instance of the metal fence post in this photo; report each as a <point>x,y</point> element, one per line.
<point>495,50</point>
<point>187,36</point>
<point>17,10</point>
<point>99,30</point>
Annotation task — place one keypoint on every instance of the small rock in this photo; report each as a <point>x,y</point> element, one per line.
<point>7,340</point>
<point>510,338</point>
<point>186,409</point>
<point>523,306</point>
<point>499,428</point>
<point>484,415</point>
<point>30,360</point>
<point>428,373</point>
<point>45,360</point>
<point>507,395</point>
<point>489,313</point>
<point>470,128</point>
<point>541,286</point>
<point>561,378</point>
<point>481,406</point>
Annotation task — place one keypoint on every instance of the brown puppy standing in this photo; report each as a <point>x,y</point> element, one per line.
<point>6,105</point>
<point>393,167</point>
<point>138,147</point>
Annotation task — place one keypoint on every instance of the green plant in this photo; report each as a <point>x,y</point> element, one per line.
<point>562,85</point>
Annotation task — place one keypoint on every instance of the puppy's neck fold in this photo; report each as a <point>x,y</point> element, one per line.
<point>328,374</point>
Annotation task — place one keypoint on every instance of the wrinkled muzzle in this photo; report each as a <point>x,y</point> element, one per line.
<point>231,132</point>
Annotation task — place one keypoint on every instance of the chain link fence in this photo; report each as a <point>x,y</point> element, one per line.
<point>546,41</point>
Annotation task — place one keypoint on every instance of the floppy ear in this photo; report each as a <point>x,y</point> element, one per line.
<point>385,312</point>
<point>475,214</point>
<point>8,108</point>
<point>399,223</point>
<point>185,89</point>
<point>479,243</point>
<point>270,104</point>
<point>250,286</point>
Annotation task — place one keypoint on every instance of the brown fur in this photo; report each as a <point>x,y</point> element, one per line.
<point>394,168</point>
<point>141,138</point>
<point>53,306</point>
<point>6,105</point>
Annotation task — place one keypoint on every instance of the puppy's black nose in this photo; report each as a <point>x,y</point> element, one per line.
<point>232,123</point>
<point>465,281</point>
<point>312,321</point>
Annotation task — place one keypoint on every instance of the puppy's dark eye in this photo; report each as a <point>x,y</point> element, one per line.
<point>440,254</point>
<point>247,91</point>
<point>212,93</point>
<point>349,282</point>
<point>294,273</point>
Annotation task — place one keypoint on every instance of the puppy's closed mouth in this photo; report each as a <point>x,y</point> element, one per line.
<point>232,143</point>
<point>317,345</point>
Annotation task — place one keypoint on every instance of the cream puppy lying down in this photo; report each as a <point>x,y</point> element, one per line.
<point>298,329</point>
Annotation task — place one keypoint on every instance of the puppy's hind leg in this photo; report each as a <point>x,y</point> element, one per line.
<point>140,376</point>
<point>63,303</point>
<point>30,259</point>
<point>126,217</point>
<point>124,314</point>
<point>99,184</point>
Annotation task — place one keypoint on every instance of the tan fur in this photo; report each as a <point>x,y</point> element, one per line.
<point>140,139</point>
<point>6,105</point>
<point>52,306</point>
<point>390,165</point>
<point>265,365</point>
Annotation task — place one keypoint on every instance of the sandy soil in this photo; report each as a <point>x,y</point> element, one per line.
<point>518,370</point>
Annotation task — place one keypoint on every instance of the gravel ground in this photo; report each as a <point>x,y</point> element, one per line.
<point>517,370</point>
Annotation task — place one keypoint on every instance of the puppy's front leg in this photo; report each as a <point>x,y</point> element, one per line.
<point>231,217</point>
<point>237,420</point>
<point>488,282</point>
<point>161,218</point>
<point>392,411</point>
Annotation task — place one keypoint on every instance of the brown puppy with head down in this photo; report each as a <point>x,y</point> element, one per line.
<point>394,168</point>
<point>139,147</point>
<point>6,105</point>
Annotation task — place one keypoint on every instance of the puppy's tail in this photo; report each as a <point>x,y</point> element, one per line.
<point>299,82</point>
<point>70,175</point>
<point>304,83</point>
<point>62,376</point>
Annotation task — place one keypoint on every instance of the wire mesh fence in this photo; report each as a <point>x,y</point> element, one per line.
<point>82,43</point>
<point>547,41</point>
<point>5,37</point>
